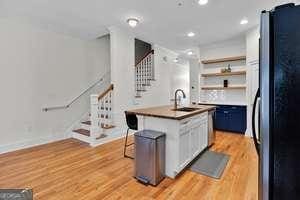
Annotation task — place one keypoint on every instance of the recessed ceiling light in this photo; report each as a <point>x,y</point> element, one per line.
<point>132,22</point>
<point>244,21</point>
<point>190,53</point>
<point>191,34</point>
<point>202,2</point>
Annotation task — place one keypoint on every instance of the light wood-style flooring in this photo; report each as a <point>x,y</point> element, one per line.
<point>72,170</point>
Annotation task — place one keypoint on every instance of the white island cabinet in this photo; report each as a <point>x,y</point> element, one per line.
<point>191,140</point>
<point>186,135</point>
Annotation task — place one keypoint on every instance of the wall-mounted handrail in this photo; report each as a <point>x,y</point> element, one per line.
<point>77,97</point>
<point>147,54</point>
<point>111,87</point>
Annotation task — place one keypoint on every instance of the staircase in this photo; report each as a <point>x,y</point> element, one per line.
<point>144,74</point>
<point>95,127</point>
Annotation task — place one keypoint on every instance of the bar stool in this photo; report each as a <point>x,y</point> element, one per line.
<point>132,123</point>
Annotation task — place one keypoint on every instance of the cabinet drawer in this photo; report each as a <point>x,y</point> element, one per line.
<point>193,121</point>
<point>204,117</point>
<point>184,125</point>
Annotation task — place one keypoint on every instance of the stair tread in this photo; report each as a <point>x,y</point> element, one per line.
<point>87,122</point>
<point>83,132</point>
<point>101,136</point>
<point>107,126</point>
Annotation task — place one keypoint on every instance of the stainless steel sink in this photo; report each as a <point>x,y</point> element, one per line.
<point>186,109</point>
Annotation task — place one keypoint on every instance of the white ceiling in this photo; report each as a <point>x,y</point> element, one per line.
<point>162,21</point>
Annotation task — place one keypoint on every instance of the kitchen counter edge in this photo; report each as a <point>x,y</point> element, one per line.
<point>166,112</point>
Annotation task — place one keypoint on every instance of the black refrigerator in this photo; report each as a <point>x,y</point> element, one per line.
<point>277,139</point>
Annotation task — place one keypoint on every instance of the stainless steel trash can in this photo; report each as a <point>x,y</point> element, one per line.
<point>149,156</point>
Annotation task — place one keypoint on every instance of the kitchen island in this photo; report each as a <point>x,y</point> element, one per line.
<point>186,132</point>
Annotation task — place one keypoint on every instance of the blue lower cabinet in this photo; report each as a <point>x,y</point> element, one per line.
<point>220,120</point>
<point>231,118</point>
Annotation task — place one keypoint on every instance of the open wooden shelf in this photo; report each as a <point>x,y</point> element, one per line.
<point>224,74</point>
<point>228,59</point>
<point>223,88</point>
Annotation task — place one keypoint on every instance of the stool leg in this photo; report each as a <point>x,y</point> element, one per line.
<point>125,145</point>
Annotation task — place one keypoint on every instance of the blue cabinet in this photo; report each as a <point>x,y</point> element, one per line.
<point>220,120</point>
<point>231,118</point>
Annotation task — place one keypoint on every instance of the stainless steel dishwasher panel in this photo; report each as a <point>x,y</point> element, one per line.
<point>211,131</point>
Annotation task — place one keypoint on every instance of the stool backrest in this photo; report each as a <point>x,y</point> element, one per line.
<point>132,121</point>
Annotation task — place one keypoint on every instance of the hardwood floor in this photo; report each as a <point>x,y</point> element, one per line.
<point>70,169</point>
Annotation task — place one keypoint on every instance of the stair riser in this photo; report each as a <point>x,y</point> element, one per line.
<point>85,126</point>
<point>112,134</point>
<point>109,132</point>
<point>82,137</point>
<point>110,137</point>
<point>144,89</point>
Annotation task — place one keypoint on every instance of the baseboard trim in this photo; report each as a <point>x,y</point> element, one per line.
<point>119,134</point>
<point>31,143</point>
<point>52,138</point>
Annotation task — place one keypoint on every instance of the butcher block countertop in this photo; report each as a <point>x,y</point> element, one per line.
<point>168,112</point>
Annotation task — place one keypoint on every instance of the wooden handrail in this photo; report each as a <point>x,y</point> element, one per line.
<point>147,54</point>
<point>111,87</point>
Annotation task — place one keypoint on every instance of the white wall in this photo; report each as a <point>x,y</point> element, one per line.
<point>228,48</point>
<point>160,92</point>
<point>252,43</point>
<point>122,73</point>
<point>41,68</point>
<point>169,76</point>
<point>194,80</point>
<point>181,79</point>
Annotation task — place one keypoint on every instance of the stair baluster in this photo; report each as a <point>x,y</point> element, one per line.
<point>94,118</point>
<point>110,108</point>
<point>139,77</point>
<point>152,67</point>
<point>148,71</point>
<point>101,115</point>
<point>144,73</point>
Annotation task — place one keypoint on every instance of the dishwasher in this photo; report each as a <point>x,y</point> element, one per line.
<point>211,131</point>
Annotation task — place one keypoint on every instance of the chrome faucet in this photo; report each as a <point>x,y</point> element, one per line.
<point>175,104</point>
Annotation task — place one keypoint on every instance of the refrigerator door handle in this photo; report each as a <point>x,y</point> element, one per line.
<point>255,139</point>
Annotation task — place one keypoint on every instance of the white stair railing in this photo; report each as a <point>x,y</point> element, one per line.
<point>94,118</point>
<point>101,114</point>
<point>144,73</point>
